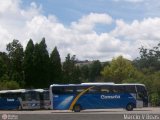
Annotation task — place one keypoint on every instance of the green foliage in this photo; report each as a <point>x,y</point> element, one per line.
<point>9,85</point>
<point>149,63</point>
<point>4,63</point>
<point>15,55</point>
<point>149,59</point>
<point>41,65</point>
<point>28,64</point>
<point>55,67</point>
<point>94,70</point>
<point>84,73</point>
<point>119,70</point>
<point>155,99</point>
<point>3,67</point>
<point>71,72</point>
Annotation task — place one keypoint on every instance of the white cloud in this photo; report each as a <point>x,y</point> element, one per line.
<point>80,38</point>
<point>4,37</point>
<point>9,5</point>
<point>87,23</point>
<point>146,32</point>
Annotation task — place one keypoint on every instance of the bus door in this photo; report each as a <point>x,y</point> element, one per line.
<point>142,96</point>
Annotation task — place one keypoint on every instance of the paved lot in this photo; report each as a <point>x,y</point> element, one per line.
<point>107,114</point>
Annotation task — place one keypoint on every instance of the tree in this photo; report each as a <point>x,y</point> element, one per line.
<point>4,61</point>
<point>84,73</point>
<point>3,67</point>
<point>55,67</point>
<point>119,70</point>
<point>71,72</point>
<point>15,54</point>
<point>9,85</point>
<point>94,70</point>
<point>149,60</point>
<point>155,99</point>
<point>28,64</point>
<point>41,65</point>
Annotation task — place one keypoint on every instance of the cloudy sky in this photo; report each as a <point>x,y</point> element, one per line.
<point>89,29</point>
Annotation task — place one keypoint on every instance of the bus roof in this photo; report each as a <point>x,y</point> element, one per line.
<point>131,84</point>
<point>22,90</point>
<point>36,90</point>
<point>65,85</point>
<point>12,91</point>
<point>103,83</point>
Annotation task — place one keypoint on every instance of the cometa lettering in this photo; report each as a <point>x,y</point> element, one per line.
<point>10,100</point>
<point>110,97</point>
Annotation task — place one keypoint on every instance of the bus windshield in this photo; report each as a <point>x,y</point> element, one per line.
<point>31,95</point>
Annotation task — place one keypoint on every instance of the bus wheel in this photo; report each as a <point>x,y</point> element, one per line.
<point>77,108</point>
<point>129,107</point>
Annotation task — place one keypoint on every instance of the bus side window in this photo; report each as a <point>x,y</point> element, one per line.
<point>94,89</point>
<point>8,95</point>
<point>68,90</point>
<point>58,90</point>
<point>80,89</point>
<point>106,89</point>
<point>118,89</point>
<point>2,95</point>
<point>130,89</point>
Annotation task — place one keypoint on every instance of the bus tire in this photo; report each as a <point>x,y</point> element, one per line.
<point>129,107</point>
<point>77,108</point>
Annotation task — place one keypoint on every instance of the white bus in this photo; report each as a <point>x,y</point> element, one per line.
<point>30,99</point>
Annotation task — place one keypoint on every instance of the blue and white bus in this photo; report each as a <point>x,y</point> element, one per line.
<point>25,99</point>
<point>78,97</point>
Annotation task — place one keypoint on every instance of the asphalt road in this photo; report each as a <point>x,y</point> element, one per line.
<point>102,114</point>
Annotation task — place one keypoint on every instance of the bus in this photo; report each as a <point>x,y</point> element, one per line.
<point>45,99</point>
<point>77,97</point>
<point>30,99</point>
<point>21,99</point>
<point>9,99</point>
